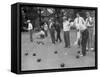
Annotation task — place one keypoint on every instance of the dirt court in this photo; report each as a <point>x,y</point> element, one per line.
<point>37,56</point>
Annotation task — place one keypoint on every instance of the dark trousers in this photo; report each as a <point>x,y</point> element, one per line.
<point>52,33</point>
<point>67,38</point>
<point>85,35</point>
<point>31,37</point>
<point>58,36</point>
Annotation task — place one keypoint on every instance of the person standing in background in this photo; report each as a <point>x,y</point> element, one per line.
<point>89,24</point>
<point>94,33</point>
<point>52,30</point>
<point>58,30</point>
<point>66,29</point>
<point>46,29</point>
<point>30,29</point>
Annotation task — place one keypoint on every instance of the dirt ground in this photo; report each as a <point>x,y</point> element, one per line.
<point>49,56</point>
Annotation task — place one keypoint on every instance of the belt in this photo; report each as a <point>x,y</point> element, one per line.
<point>89,26</point>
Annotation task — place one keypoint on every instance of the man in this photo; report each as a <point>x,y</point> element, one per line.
<point>66,29</point>
<point>84,35</point>
<point>78,22</point>
<point>58,30</point>
<point>30,29</point>
<point>46,29</point>
<point>89,24</point>
<point>41,34</point>
<point>94,33</point>
<point>52,30</point>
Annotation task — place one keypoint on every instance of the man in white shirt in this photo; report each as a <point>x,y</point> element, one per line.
<point>46,29</point>
<point>89,24</point>
<point>66,29</point>
<point>79,21</point>
<point>30,29</point>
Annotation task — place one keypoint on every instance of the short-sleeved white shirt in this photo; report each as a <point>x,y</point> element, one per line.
<point>30,27</point>
<point>66,26</point>
<point>78,22</point>
<point>45,27</point>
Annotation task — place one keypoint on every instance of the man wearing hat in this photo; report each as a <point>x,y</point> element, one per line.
<point>66,29</point>
<point>30,29</point>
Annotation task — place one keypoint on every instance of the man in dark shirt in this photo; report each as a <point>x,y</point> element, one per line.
<point>58,30</point>
<point>52,30</point>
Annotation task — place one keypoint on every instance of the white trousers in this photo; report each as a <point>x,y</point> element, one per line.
<point>77,38</point>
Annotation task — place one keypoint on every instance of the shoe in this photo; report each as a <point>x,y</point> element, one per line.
<point>60,41</point>
<point>75,44</point>
<point>53,42</point>
<point>79,46</point>
<point>56,40</point>
<point>84,55</point>
<point>66,47</point>
<point>92,49</point>
<point>81,55</point>
<point>87,48</point>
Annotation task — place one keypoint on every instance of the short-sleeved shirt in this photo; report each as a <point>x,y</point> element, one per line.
<point>89,22</point>
<point>78,22</point>
<point>66,26</point>
<point>45,27</point>
<point>30,27</point>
